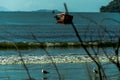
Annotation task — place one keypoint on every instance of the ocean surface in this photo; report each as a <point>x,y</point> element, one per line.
<point>20,26</point>
<point>26,26</point>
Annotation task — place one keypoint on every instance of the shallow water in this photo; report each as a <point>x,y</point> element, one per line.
<point>77,70</point>
<point>67,71</point>
<point>17,72</point>
<point>56,51</point>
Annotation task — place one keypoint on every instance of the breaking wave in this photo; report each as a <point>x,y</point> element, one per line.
<point>34,45</point>
<point>44,59</point>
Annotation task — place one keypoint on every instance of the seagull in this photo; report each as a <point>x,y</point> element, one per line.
<point>44,78</point>
<point>44,71</point>
<point>95,71</point>
<point>30,79</point>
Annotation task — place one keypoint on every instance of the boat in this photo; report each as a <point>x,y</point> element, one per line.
<point>64,18</point>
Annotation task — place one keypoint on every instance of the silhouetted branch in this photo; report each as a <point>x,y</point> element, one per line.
<point>88,53</point>
<point>57,70</point>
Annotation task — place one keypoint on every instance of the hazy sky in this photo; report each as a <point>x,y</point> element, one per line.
<point>73,5</point>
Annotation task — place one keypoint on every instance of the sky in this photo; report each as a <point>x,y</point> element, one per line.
<point>73,5</point>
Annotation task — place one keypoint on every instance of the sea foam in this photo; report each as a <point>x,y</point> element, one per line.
<point>45,59</point>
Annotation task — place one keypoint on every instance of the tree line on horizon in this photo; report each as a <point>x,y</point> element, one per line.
<point>113,6</point>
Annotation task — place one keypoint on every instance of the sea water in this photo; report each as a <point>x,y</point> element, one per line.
<point>21,26</point>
